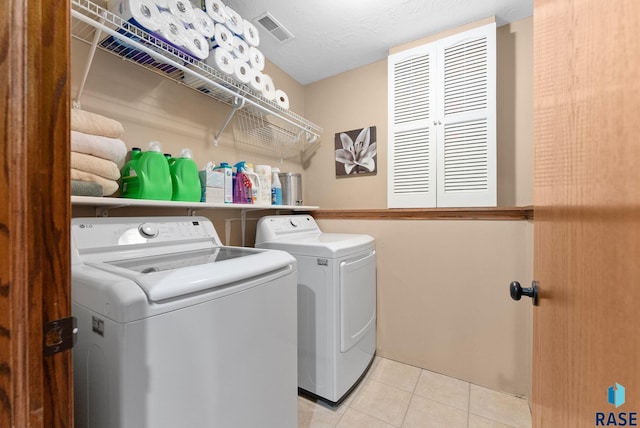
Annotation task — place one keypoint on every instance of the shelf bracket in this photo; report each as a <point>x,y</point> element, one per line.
<point>238,103</point>
<point>87,67</point>
<point>102,211</point>
<point>243,224</point>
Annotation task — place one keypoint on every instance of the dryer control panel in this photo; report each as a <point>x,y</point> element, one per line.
<point>274,227</point>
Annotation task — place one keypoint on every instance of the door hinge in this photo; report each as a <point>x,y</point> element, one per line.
<point>60,335</point>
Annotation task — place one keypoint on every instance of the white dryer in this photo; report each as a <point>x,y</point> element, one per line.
<point>336,302</point>
<point>176,330</point>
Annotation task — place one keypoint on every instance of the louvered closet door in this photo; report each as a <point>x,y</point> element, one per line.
<point>412,149</point>
<point>466,111</point>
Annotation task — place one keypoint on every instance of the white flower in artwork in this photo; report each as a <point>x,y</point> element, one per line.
<point>358,156</point>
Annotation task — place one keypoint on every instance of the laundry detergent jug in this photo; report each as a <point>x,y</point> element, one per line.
<point>146,175</point>
<point>185,178</point>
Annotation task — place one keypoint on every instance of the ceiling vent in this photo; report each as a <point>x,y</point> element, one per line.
<point>273,27</point>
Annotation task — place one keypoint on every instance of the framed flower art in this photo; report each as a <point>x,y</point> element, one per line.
<point>356,152</point>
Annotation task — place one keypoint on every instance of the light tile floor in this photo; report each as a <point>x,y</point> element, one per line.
<point>396,395</point>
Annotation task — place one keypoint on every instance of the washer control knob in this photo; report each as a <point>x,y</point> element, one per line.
<point>294,222</point>
<point>148,230</point>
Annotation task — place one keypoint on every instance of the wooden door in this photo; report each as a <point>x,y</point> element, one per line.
<point>35,391</point>
<point>587,210</point>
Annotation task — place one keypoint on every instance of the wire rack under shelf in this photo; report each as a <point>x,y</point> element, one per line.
<point>263,124</point>
<point>258,133</point>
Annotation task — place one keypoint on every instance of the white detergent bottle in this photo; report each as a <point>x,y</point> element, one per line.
<point>276,188</point>
<point>264,172</point>
<point>255,183</point>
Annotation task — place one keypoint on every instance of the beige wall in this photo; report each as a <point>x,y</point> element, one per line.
<point>358,98</point>
<point>515,113</point>
<point>443,301</point>
<point>442,285</point>
<point>151,107</point>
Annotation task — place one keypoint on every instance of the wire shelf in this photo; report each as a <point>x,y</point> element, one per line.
<point>253,129</point>
<point>263,124</point>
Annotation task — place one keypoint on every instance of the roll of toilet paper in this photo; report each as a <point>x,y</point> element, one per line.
<point>268,90</point>
<point>223,38</point>
<point>203,23</point>
<point>141,13</point>
<point>235,23</point>
<point>282,99</point>
<point>250,34</point>
<point>256,81</point>
<point>172,30</point>
<point>216,10</point>
<point>256,58</point>
<point>242,71</point>
<point>240,49</point>
<point>181,9</point>
<point>196,44</point>
<point>221,60</point>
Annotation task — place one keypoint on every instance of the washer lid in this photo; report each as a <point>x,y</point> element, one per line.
<point>330,245</point>
<point>171,275</point>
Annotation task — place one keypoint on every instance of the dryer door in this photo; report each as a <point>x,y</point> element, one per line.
<point>357,299</point>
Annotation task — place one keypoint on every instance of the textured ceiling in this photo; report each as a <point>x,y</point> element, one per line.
<point>334,36</point>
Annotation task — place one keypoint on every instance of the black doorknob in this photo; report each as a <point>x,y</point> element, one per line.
<point>517,291</point>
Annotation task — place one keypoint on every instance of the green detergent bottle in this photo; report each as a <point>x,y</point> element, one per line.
<point>185,178</point>
<point>146,175</point>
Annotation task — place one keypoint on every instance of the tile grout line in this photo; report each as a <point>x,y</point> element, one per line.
<point>413,393</point>
<point>468,403</point>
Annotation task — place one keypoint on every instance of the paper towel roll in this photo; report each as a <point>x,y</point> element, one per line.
<point>242,71</point>
<point>282,99</point>
<point>173,29</point>
<point>222,60</point>
<point>223,38</point>
<point>256,58</point>
<point>240,49</point>
<point>235,23</point>
<point>250,34</point>
<point>142,13</point>
<point>203,23</point>
<point>268,90</point>
<point>181,9</point>
<point>196,44</point>
<point>216,10</point>
<point>256,81</point>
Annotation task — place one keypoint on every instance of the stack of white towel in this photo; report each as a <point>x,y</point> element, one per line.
<point>97,154</point>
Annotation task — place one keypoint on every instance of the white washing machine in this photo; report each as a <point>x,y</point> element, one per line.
<point>176,330</point>
<point>336,302</point>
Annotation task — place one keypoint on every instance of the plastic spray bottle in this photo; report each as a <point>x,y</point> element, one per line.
<point>242,193</point>
<point>276,188</point>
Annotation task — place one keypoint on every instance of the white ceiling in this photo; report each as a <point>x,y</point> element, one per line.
<point>334,36</point>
